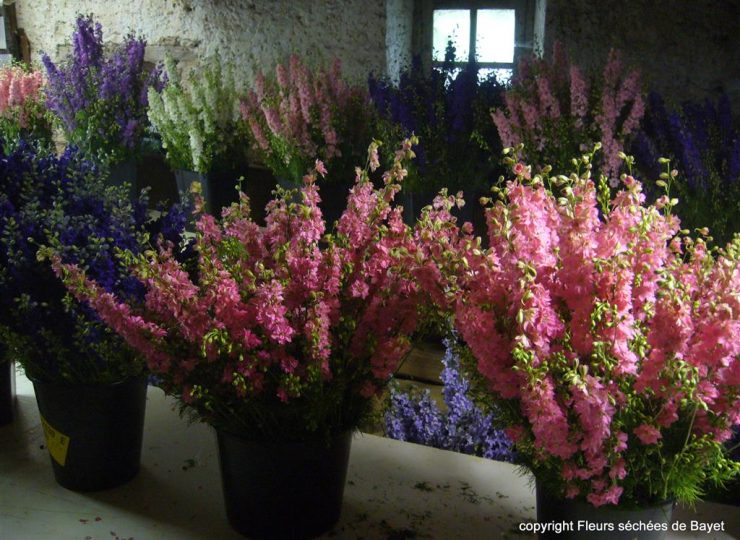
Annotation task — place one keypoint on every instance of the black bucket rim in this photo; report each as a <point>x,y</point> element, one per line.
<point>68,384</point>
<point>296,442</point>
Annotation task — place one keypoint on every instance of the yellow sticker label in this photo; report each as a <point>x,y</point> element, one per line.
<point>56,442</point>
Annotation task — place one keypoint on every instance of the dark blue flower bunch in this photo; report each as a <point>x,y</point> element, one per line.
<point>415,417</point>
<point>704,147</point>
<point>101,101</point>
<point>64,204</point>
<point>449,110</point>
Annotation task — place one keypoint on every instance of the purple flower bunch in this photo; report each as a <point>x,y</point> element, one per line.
<point>415,417</point>
<point>61,202</point>
<point>101,101</point>
<point>704,146</point>
<point>449,112</point>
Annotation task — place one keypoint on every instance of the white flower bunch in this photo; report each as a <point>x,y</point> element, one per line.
<point>197,119</point>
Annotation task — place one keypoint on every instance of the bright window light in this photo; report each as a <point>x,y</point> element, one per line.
<point>503,75</point>
<point>451,24</point>
<point>494,35</point>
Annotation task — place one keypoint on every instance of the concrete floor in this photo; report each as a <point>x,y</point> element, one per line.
<point>395,490</point>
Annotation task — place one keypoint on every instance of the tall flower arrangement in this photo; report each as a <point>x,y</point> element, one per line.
<point>300,114</point>
<point>101,100</point>
<point>557,111</point>
<point>449,112</point>
<point>462,427</point>
<point>61,202</point>
<point>22,112</point>
<point>701,139</point>
<point>197,118</point>
<point>605,337</point>
<point>283,332</point>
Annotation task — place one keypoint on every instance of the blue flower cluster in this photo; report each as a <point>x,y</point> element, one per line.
<point>63,203</point>
<point>704,147</point>
<point>102,102</point>
<point>415,417</point>
<point>449,110</point>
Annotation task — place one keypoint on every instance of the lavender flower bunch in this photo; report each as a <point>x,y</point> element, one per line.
<point>101,100</point>
<point>704,146</point>
<point>415,417</point>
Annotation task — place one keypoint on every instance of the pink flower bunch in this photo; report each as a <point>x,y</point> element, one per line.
<point>299,114</point>
<point>280,317</point>
<point>556,110</point>
<point>606,338</point>
<point>21,98</point>
<point>18,86</point>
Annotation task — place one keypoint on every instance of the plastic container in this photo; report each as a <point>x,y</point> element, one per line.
<point>291,490</point>
<point>7,392</point>
<point>217,187</point>
<point>93,432</point>
<point>577,520</point>
<point>125,172</point>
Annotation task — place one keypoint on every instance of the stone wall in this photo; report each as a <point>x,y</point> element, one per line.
<point>687,49</point>
<point>254,34</point>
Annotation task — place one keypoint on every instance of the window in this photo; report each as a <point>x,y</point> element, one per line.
<point>9,44</point>
<point>5,56</point>
<point>492,33</point>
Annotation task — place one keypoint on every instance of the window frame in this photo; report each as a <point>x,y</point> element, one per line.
<point>524,29</point>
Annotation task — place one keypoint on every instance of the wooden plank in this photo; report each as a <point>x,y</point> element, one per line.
<point>424,363</point>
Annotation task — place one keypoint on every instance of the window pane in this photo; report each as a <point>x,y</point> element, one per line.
<point>503,75</point>
<point>451,24</point>
<point>495,35</point>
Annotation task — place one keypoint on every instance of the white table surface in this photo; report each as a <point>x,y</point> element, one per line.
<point>394,491</point>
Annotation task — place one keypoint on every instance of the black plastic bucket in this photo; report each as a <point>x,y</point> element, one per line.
<point>93,432</point>
<point>124,172</point>
<point>7,391</point>
<point>291,490</point>
<point>217,187</point>
<point>578,520</point>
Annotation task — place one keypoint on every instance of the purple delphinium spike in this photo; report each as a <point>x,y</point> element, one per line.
<point>101,101</point>
<point>704,147</point>
<point>687,152</point>
<point>415,417</point>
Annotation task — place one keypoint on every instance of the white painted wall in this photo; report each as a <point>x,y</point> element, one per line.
<point>686,52</point>
<point>398,36</point>
<point>254,34</point>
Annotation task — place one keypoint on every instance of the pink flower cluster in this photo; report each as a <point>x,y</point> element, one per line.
<point>602,332</point>
<point>281,308</point>
<point>620,95</point>
<point>554,107</point>
<point>18,89</point>
<point>299,114</point>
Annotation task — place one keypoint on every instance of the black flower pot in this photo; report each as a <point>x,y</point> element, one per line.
<point>217,187</point>
<point>291,490</point>
<point>124,172</point>
<point>185,178</point>
<point>413,202</point>
<point>7,392</point>
<point>93,432</point>
<point>578,520</point>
